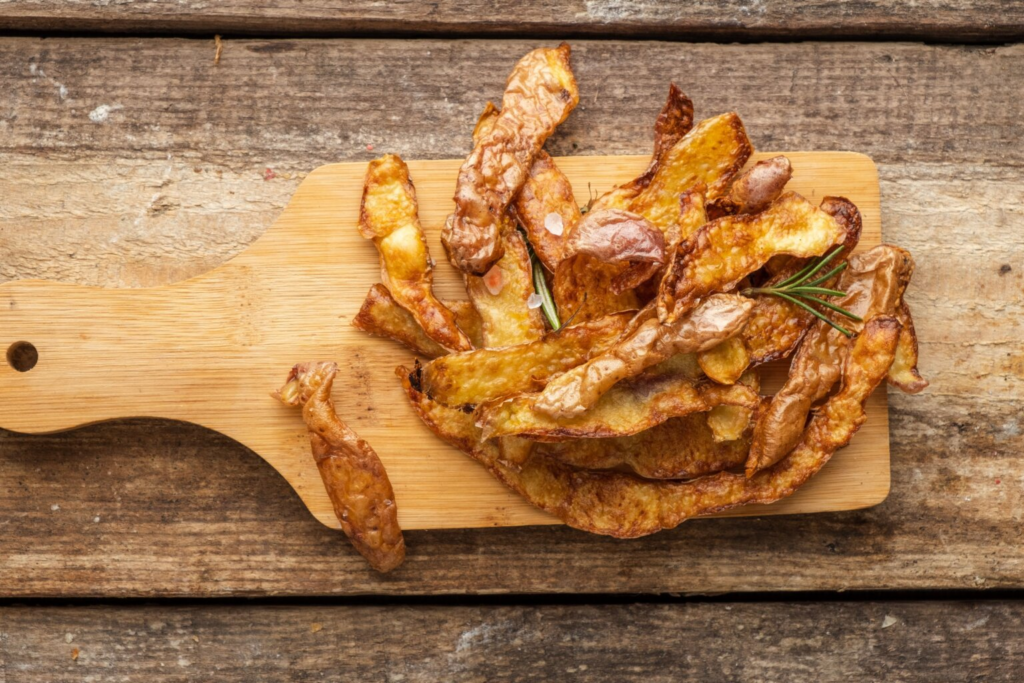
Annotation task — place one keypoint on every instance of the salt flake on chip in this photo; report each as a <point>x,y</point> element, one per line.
<point>534,301</point>
<point>553,223</point>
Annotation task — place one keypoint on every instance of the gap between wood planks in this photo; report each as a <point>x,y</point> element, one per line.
<point>996,39</point>
<point>537,599</point>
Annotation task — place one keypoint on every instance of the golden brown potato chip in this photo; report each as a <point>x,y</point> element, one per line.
<point>680,448</point>
<point>547,209</point>
<point>626,506</point>
<point>903,374</point>
<point>389,216</point>
<point>539,94</point>
<point>729,423</point>
<point>501,297</point>
<point>381,315</point>
<point>726,250</point>
<point>776,326</point>
<point>650,343</point>
<point>874,284</point>
<point>353,475</point>
<point>489,374</point>
<point>608,254</point>
<point>726,362</point>
<point>674,121</point>
<point>712,153</point>
<point>754,189</point>
<point>668,390</point>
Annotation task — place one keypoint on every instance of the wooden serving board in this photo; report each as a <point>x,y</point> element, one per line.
<point>210,350</point>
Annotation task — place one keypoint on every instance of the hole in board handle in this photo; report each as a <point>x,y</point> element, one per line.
<point>22,356</point>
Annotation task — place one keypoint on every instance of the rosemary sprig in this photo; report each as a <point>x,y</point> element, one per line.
<point>540,285</point>
<point>799,289</point>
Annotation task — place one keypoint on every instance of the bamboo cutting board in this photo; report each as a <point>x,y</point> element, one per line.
<point>210,350</point>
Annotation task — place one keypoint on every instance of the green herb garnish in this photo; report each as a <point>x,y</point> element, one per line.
<point>540,285</point>
<point>799,289</point>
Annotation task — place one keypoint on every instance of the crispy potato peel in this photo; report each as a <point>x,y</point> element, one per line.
<point>381,316</point>
<point>539,94</point>
<point>388,215</point>
<point>353,475</point>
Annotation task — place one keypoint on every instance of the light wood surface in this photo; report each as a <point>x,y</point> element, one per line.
<point>210,349</point>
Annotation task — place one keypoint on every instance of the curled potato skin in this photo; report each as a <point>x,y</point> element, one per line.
<point>680,448</point>
<point>755,189</point>
<point>630,407</point>
<point>381,316</point>
<point>726,250</point>
<point>776,326</point>
<point>539,94</point>
<point>624,245</point>
<point>546,191</point>
<point>388,215</point>
<point>874,284</point>
<point>506,318</point>
<point>674,121</point>
<point>904,374</point>
<point>488,374</point>
<point>353,475</point>
<point>718,318</point>
<point>625,506</point>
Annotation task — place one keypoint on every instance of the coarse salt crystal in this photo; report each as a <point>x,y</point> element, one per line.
<point>494,281</point>
<point>553,223</point>
<point>535,301</point>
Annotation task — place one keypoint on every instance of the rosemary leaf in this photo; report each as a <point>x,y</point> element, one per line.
<point>816,313</point>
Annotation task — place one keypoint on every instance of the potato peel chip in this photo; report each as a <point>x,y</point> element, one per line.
<point>546,209</point>
<point>680,448</point>
<point>903,374</point>
<point>629,407</point>
<point>501,297</point>
<point>353,475</point>
<point>380,315</point>
<point>728,249</point>
<point>626,506</point>
<point>874,284</point>
<point>539,94</point>
<point>388,215</point>
<point>650,343</point>
<point>489,374</point>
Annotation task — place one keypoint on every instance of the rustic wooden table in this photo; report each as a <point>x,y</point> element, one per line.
<point>157,551</point>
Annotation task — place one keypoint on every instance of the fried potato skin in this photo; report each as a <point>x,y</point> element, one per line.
<point>729,422</point>
<point>726,362</point>
<point>728,249</point>
<point>776,326</point>
<point>506,317</point>
<point>539,94</point>
<point>680,448</point>
<point>755,189</point>
<point>903,374</point>
<point>388,215</point>
<point>712,153</point>
<point>717,319</point>
<point>609,253</point>
<point>670,389</point>
<point>625,506</point>
<point>381,316</point>
<point>874,284</point>
<point>488,374</point>
<point>546,191</point>
<point>353,475</point>
<point>674,121</point>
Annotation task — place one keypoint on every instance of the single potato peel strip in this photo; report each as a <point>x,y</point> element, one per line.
<point>381,316</point>
<point>353,475</point>
<point>388,215</point>
<point>483,375</point>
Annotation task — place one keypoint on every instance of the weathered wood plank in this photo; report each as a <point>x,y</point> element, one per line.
<point>821,642</point>
<point>957,21</point>
<point>137,162</point>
